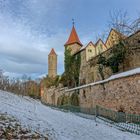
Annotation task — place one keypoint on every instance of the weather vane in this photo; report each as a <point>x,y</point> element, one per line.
<point>73,22</point>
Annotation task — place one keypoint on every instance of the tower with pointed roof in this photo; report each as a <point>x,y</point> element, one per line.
<point>52,64</point>
<point>73,43</point>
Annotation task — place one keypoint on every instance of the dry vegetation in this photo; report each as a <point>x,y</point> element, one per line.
<point>11,129</point>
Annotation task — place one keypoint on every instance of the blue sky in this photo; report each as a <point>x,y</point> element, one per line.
<point>30,28</point>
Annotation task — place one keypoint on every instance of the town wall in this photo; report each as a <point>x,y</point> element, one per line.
<point>117,94</point>
<point>51,95</point>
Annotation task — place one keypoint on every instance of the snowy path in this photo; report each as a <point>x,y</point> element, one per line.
<point>58,125</point>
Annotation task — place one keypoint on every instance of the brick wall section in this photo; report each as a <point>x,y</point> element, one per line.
<point>123,93</point>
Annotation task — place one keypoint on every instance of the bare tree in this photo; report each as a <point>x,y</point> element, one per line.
<point>120,21</point>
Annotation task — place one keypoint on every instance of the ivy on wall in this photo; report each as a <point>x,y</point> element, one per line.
<point>68,100</point>
<point>102,64</point>
<point>114,59</point>
<point>74,99</point>
<point>72,68</point>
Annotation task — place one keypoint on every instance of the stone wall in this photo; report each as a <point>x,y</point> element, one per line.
<point>73,47</point>
<point>51,95</point>
<point>118,94</point>
<point>133,59</point>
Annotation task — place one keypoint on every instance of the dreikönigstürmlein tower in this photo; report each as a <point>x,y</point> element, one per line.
<point>52,64</point>
<point>73,43</point>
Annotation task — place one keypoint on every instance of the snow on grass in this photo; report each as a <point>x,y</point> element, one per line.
<point>113,77</point>
<point>56,124</point>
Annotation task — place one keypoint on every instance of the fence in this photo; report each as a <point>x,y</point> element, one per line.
<point>128,122</point>
<point>118,116</point>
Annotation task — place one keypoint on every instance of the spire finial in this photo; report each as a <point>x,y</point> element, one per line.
<point>73,22</point>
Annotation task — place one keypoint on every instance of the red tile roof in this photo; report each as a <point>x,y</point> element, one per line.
<point>73,38</point>
<point>52,52</point>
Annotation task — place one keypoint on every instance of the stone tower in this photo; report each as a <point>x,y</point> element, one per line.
<point>73,43</point>
<point>52,64</point>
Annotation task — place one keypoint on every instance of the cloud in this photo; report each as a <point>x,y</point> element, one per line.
<point>23,47</point>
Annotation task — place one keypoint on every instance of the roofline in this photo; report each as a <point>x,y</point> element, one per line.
<point>54,53</point>
<point>84,48</point>
<point>68,42</point>
<point>116,32</point>
<point>133,34</point>
<point>91,43</point>
<point>73,43</point>
<point>101,41</point>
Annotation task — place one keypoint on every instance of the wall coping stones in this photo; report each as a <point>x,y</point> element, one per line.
<point>113,77</point>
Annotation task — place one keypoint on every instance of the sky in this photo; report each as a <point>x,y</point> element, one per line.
<point>30,28</point>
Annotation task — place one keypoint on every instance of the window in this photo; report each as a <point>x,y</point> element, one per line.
<point>89,50</point>
<point>139,41</point>
<point>112,37</point>
<point>100,49</point>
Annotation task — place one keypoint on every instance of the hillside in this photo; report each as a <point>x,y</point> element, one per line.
<point>56,124</point>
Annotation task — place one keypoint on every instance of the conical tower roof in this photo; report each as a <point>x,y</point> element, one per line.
<point>73,38</point>
<point>52,52</point>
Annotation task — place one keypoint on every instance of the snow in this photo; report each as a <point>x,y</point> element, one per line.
<point>57,124</point>
<point>113,77</point>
